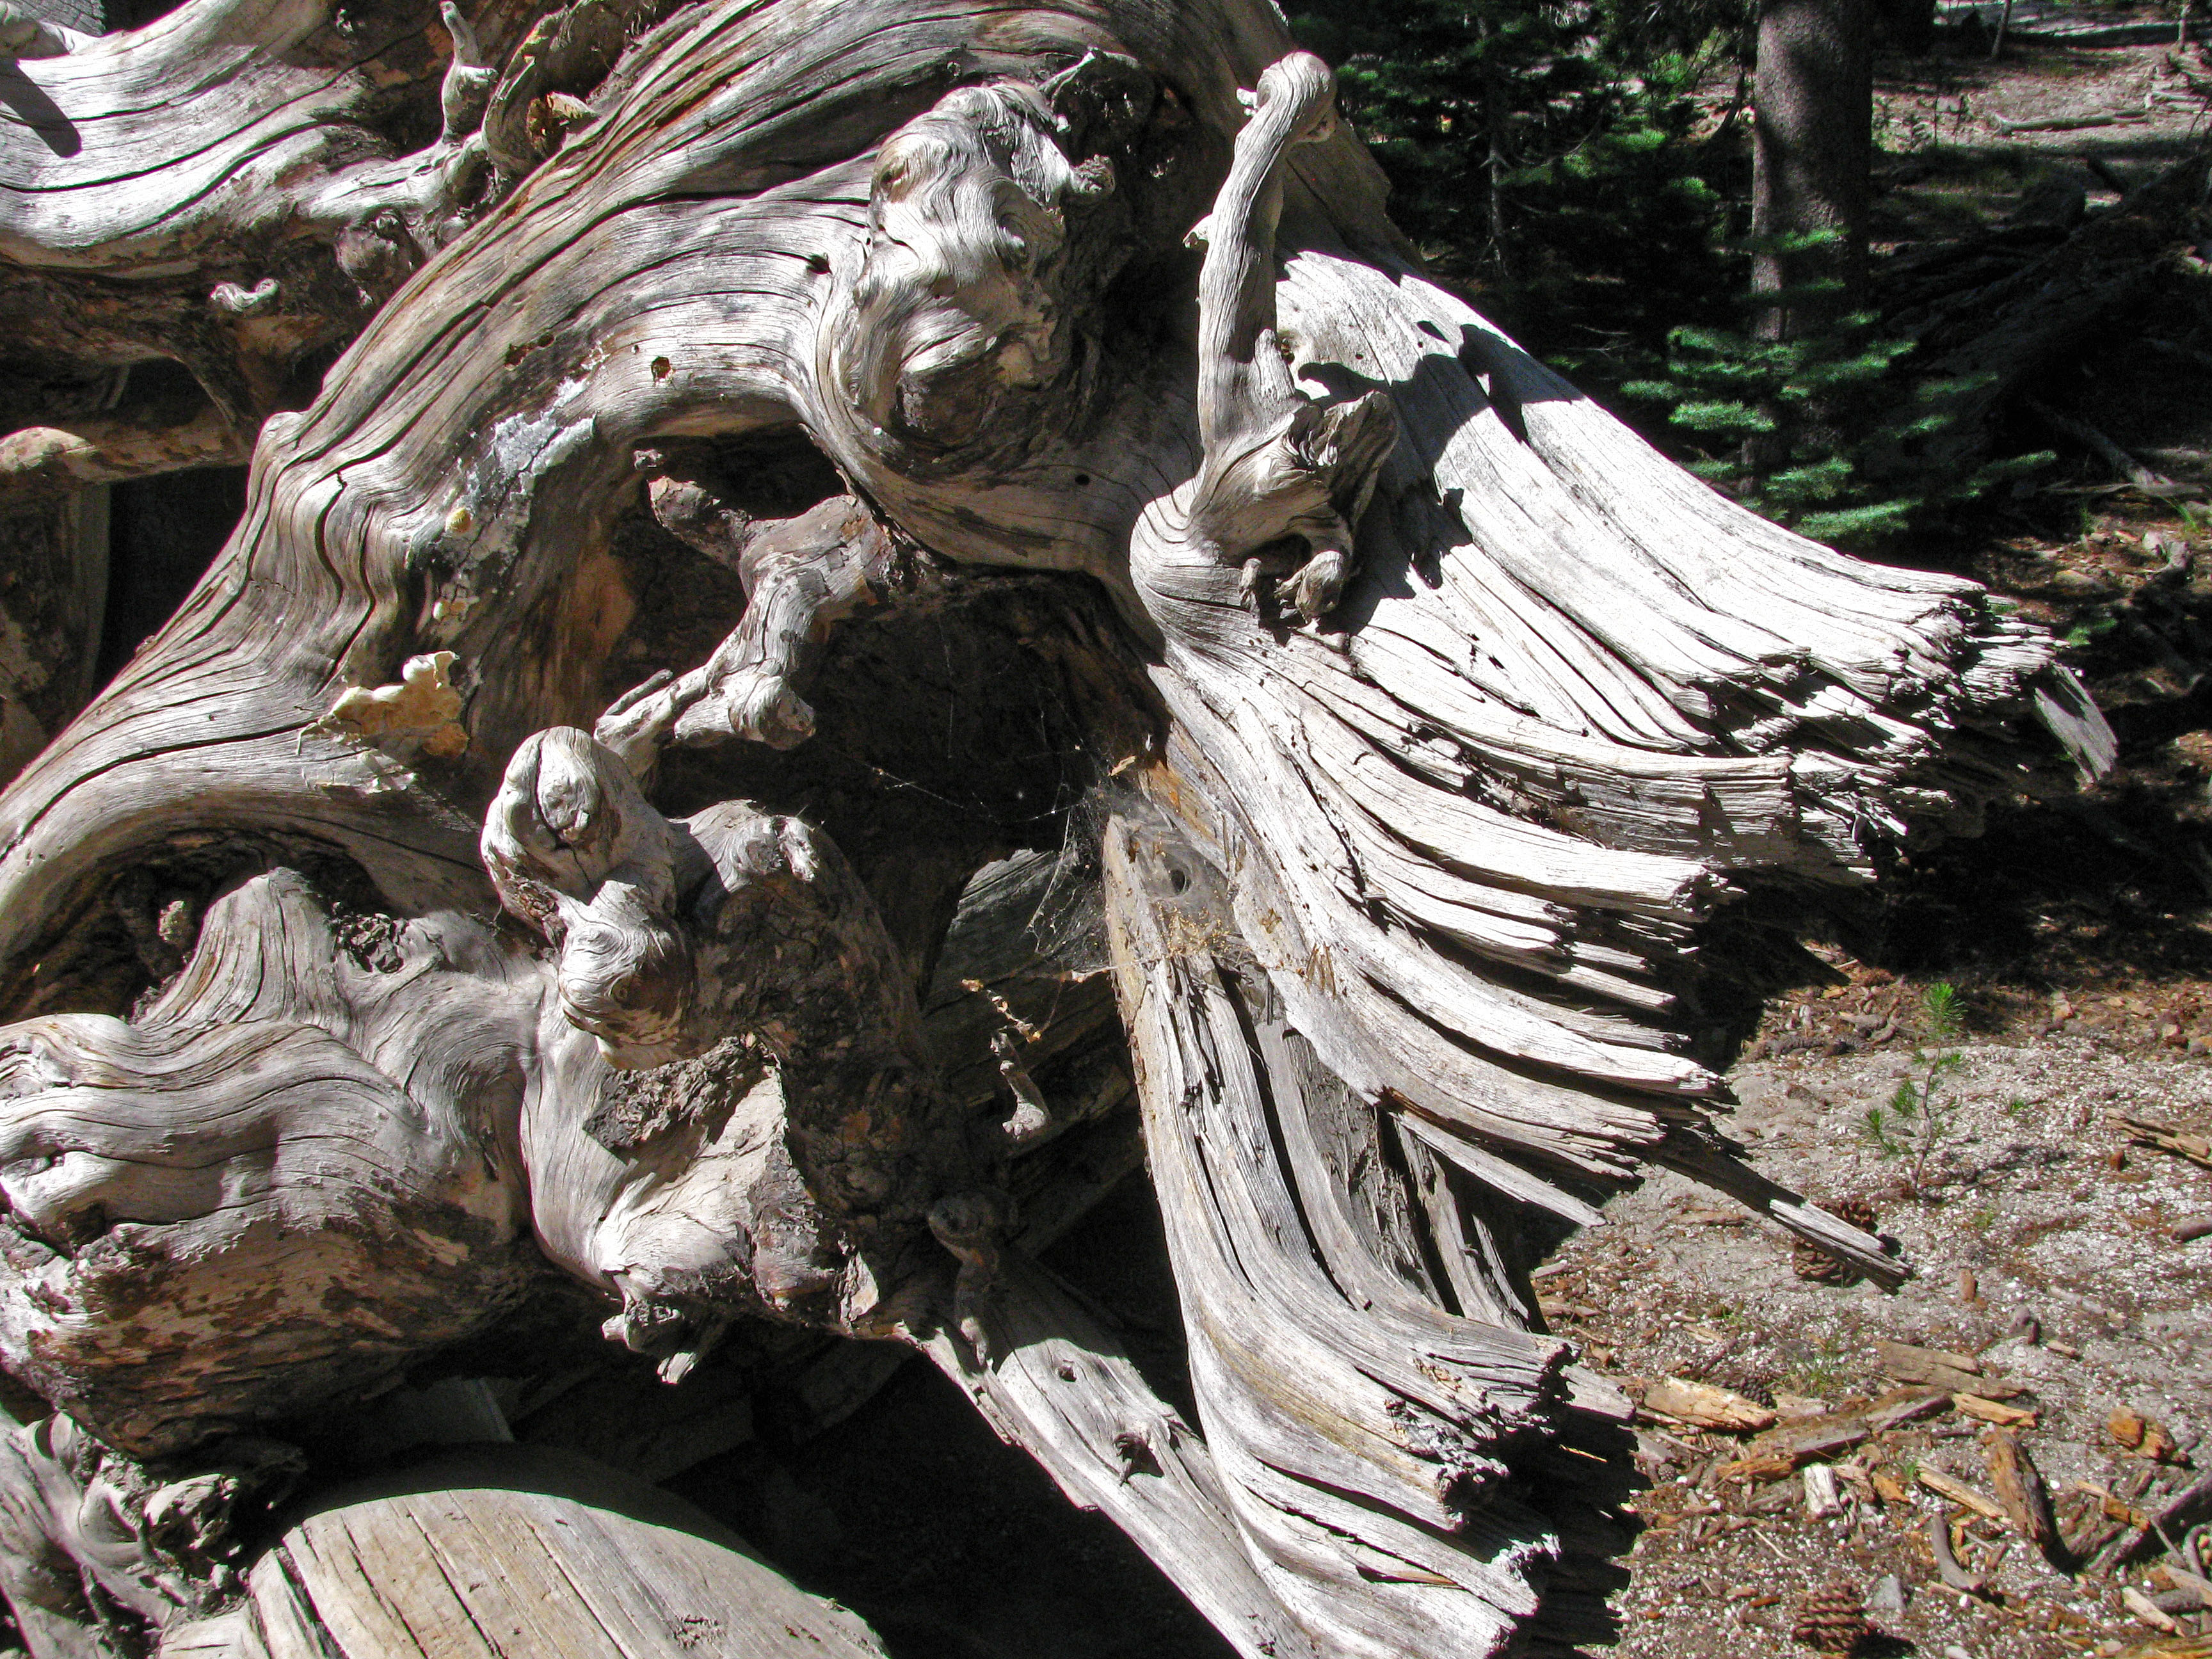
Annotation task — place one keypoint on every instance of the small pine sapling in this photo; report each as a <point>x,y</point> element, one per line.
<point>1919,1116</point>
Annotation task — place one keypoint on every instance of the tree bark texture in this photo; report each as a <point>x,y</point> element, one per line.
<point>1812,147</point>
<point>784,458</point>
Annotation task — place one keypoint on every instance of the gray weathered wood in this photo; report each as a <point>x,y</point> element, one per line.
<point>518,1554</point>
<point>1439,716</point>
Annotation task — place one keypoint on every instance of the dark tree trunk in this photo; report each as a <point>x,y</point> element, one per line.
<point>1813,140</point>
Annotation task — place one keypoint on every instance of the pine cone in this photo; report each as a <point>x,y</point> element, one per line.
<point>1832,1620</point>
<point>1810,1261</point>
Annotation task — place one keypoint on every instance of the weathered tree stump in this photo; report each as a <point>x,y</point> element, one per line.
<point>785,458</point>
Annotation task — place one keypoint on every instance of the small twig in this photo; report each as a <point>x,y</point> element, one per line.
<point>1735,107</point>
<point>2103,169</point>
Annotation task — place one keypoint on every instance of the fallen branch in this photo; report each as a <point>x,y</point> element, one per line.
<point>2179,352</point>
<point>2141,1132</point>
<point>2073,122</point>
<point>1984,344</point>
<point>2150,482</point>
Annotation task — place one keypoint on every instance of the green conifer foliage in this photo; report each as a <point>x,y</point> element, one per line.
<point>1548,156</point>
<point>1566,164</point>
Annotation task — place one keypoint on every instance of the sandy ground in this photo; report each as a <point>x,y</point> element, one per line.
<point>2035,1209</point>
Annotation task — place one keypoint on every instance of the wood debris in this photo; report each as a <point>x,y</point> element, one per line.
<point>1992,1411</point>
<point>1947,1563</point>
<point>1953,1372</point>
<point>1958,1491</point>
<point>2149,1611</point>
<point>1904,1406</point>
<point>2141,1132</point>
<point>1821,1497</point>
<point>2019,1488</point>
<point>2182,1579</point>
<point>2192,1504</point>
<point>2144,1436</point>
<point>1770,1467</point>
<point>1705,1407</point>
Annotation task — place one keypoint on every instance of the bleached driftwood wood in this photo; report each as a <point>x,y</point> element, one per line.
<point>768,1137</point>
<point>1056,1383</point>
<point>1464,712</point>
<point>289,1145</point>
<point>1359,1428</point>
<point>44,460</point>
<point>96,1548</point>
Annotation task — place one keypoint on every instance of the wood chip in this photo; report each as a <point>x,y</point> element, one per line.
<point>1707,1408</point>
<point>1960,1492</point>
<point>2148,1611</point>
<point>2141,1132</point>
<point>1906,1361</point>
<point>1821,1497</point>
<point>1887,1488</point>
<point>2019,1488</point>
<point>1991,1410</point>
<point>1906,1405</point>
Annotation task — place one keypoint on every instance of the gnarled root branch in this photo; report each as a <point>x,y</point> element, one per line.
<point>801,576</point>
<point>92,1543</point>
<point>771,1136</point>
<point>225,1209</point>
<point>1279,468</point>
